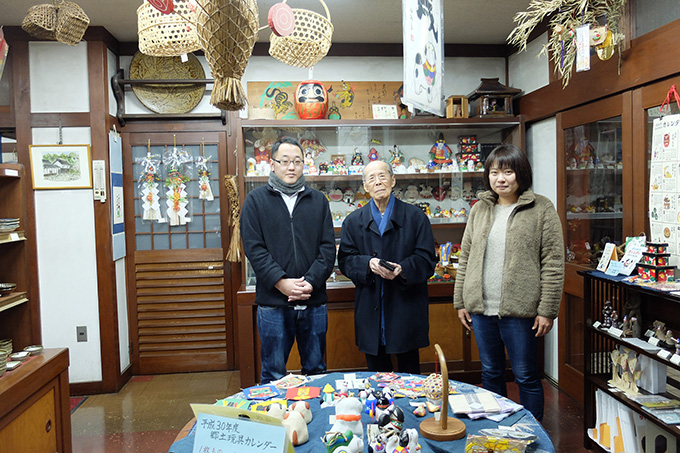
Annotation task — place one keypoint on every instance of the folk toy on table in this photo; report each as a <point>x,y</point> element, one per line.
<point>348,417</point>
<point>346,442</point>
<point>397,160</point>
<point>607,310</point>
<point>294,420</point>
<point>373,154</point>
<point>425,207</point>
<point>391,422</point>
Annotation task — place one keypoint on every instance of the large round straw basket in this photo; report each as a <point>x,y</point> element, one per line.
<point>227,30</point>
<point>308,43</point>
<point>41,21</point>
<point>167,35</point>
<point>71,23</point>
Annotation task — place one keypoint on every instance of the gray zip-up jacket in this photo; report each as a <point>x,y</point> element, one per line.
<point>533,272</point>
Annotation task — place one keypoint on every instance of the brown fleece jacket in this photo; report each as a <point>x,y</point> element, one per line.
<point>533,272</point>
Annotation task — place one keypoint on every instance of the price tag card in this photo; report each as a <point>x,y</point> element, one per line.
<point>222,428</point>
<point>615,267</point>
<point>675,359</point>
<point>649,333</point>
<point>664,354</point>
<point>653,341</point>
<point>618,333</point>
<point>597,324</point>
<point>14,236</point>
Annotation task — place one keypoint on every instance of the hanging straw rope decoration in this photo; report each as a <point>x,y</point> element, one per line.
<point>234,252</point>
<point>227,30</point>
<point>167,35</point>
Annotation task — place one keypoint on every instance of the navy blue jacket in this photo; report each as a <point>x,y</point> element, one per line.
<point>408,241</point>
<point>280,245</point>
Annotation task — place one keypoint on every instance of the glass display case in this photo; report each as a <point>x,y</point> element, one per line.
<point>438,165</point>
<point>594,207</point>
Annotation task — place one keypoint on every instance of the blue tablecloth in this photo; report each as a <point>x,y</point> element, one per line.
<point>320,423</point>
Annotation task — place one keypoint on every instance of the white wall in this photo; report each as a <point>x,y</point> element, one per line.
<point>542,152</point>
<point>67,261</point>
<point>461,75</point>
<point>529,70</point>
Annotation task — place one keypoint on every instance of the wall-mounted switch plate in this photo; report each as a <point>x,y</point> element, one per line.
<point>81,333</point>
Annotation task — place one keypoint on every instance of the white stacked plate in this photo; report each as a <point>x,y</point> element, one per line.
<point>8,225</point>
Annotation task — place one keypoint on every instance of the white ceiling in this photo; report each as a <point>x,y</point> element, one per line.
<point>354,21</point>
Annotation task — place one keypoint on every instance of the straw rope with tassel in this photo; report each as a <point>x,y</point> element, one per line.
<point>234,252</point>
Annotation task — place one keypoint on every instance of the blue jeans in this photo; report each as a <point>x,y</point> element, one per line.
<point>494,335</point>
<point>279,327</point>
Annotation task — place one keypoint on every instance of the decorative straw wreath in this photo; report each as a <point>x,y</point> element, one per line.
<point>308,43</point>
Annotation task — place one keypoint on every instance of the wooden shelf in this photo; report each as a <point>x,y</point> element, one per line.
<point>12,300</point>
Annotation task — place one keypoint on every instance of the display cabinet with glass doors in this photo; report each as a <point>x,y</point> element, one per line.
<point>438,167</point>
<point>430,172</point>
<point>594,194</point>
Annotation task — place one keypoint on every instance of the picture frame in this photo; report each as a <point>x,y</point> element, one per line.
<point>60,166</point>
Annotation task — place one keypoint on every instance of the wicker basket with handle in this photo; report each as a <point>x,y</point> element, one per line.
<point>71,23</point>
<point>41,21</point>
<point>308,43</point>
<point>227,30</point>
<point>167,35</point>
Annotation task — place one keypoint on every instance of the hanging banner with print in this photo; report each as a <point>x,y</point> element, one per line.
<point>664,185</point>
<point>423,29</point>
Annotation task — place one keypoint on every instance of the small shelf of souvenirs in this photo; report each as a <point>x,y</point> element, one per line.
<point>632,353</point>
<point>438,165</point>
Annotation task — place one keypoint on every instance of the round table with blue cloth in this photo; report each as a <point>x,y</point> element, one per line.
<point>320,423</point>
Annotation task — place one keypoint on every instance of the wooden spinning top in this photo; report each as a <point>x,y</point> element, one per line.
<point>447,428</point>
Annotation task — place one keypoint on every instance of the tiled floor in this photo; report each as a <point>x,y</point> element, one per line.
<point>146,415</point>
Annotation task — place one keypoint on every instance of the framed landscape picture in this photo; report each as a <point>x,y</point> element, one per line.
<point>60,166</point>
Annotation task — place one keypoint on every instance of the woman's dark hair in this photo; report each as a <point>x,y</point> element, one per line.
<point>290,141</point>
<point>510,156</point>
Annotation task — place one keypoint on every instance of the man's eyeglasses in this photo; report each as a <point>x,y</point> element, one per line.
<point>285,162</point>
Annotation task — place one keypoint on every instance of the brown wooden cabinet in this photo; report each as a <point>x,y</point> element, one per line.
<point>19,313</point>
<point>34,405</point>
<point>414,137</point>
<point>594,179</point>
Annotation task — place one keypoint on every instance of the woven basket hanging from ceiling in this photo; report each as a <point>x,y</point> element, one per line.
<point>167,35</point>
<point>41,21</point>
<point>308,43</point>
<point>71,23</point>
<point>227,30</point>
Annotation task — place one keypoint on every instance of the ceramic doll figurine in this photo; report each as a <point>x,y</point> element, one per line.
<point>391,422</point>
<point>398,192</point>
<point>373,154</point>
<point>357,158</point>
<point>677,345</point>
<point>440,153</point>
<point>396,157</point>
<point>348,417</point>
<point>615,319</point>
<point>348,196</point>
<point>346,442</point>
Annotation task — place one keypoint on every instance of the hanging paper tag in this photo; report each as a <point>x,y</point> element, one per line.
<point>583,48</point>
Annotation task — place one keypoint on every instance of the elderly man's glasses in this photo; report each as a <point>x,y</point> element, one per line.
<point>286,162</point>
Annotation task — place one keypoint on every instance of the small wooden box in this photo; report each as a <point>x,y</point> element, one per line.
<point>457,107</point>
